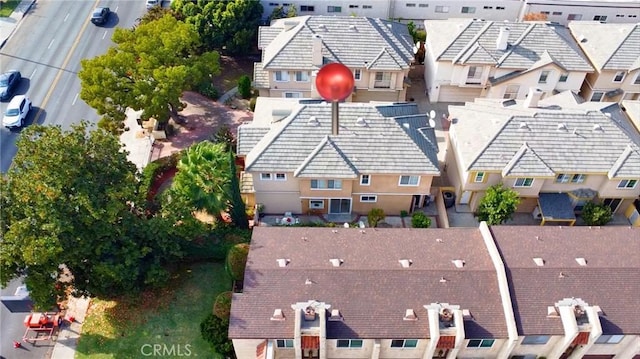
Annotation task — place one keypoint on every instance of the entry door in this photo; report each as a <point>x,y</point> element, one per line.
<point>466,197</point>
<point>342,205</point>
<point>613,203</point>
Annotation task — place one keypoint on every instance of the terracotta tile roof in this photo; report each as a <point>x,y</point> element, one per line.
<point>370,288</point>
<point>610,279</point>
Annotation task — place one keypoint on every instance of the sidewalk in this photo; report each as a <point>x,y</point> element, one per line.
<point>65,346</point>
<point>9,24</point>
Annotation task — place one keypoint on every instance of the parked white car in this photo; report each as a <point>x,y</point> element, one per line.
<point>152,3</point>
<point>16,112</point>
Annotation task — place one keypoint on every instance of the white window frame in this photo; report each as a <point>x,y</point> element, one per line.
<point>595,97</point>
<point>302,76</point>
<point>480,343</point>
<point>333,9</point>
<point>357,74</point>
<point>474,75</point>
<point>609,339</point>
<point>319,204</point>
<point>413,343</point>
<point>382,79</point>
<point>265,176</point>
<point>578,178</point>
<point>368,198</point>
<point>365,180</point>
<point>479,176</point>
<point>535,340</point>
<point>350,343</point>
<point>409,181</point>
<point>323,185</point>
<point>509,92</point>
<point>470,10</point>
<point>564,77</point>
<point>284,343</point>
<point>290,94</point>
<point>442,9</point>
<point>563,178</point>
<point>619,77</point>
<point>624,184</point>
<point>283,75</point>
<point>282,177</point>
<point>544,77</point>
<point>523,182</point>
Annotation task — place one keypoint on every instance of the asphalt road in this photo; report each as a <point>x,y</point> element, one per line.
<point>47,48</point>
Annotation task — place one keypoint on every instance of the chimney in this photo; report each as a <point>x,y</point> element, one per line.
<point>532,98</point>
<point>316,51</point>
<point>503,39</point>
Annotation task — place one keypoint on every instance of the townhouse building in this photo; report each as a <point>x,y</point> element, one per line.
<point>499,292</point>
<point>379,53</point>
<point>557,153</point>
<point>466,59</point>
<point>375,155</point>
<point>614,51</point>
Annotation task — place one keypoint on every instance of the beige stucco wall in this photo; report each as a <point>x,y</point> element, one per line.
<point>349,353</point>
<point>540,350</point>
<point>246,348</point>
<point>609,189</point>
<point>525,191</point>
<point>626,346</point>
<point>406,353</point>
<point>487,353</point>
<point>391,204</point>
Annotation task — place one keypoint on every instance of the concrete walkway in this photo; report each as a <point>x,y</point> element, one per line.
<point>9,24</point>
<point>65,347</point>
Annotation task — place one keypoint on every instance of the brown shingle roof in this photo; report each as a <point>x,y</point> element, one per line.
<point>610,279</point>
<point>370,288</point>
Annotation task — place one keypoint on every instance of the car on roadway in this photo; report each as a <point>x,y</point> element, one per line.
<point>100,15</point>
<point>16,112</point>
<point>152,3</point>
<point>8,83</point>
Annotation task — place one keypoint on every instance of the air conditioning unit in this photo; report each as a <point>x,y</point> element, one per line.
<point>536,213</point>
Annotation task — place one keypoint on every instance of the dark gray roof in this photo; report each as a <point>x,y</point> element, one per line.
<point>373,138</point>
<point>371,288</point>
<point>357,42</point>
<point>556,206</point>
<point>530,43</point>
<point>610,279</point>
<point>609,46</point>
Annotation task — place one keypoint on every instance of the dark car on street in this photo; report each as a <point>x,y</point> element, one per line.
<point>8,83</point>
<point>100,15</point>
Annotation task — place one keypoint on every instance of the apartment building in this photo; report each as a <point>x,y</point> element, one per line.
<point>614,51</point>
<point>557,153</point>
<point>466,59</point>
<point>499,292</point>
<point>374,155</point>
<point>379,53</point>
<point>565,11</point>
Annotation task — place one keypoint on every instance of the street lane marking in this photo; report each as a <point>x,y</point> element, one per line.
<point>116,10</point>
<point>66,17</point>
<point>75,98</point>
<point>33,74</point>
<point>64,64</point>
<point>51,43</point>
<point>104,35</point>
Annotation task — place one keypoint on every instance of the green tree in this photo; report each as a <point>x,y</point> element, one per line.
<point>596,214</point>
<point>215,331</point>
<point>498,204</point>
<point>68,202</point>
<point>292,11</point>
<point>237,260</point>
<point>148,69</point>
<point>375,215</point>
<point>244,86</point>
<point>224,135</point>
<point>237,207</point>
<point>277,13</point>
<point>420,220</point>
<point>202,179</point>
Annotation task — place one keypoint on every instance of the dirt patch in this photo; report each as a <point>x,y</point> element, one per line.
<point>231,68</point>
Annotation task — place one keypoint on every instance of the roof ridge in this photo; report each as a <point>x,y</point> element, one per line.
<point>471,42</point>
<point>509,51</point>
<point>615,168</point>
<point>613,53</point>
<point>293,33</point>
<point>488,143</point>
<point>327,141</point>
<point>455,39</point>
<point>524,149</point>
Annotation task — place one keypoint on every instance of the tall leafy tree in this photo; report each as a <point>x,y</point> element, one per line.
<point>148,69</point>
<point>68,204</point>
<point>237,207</point>
<point>498,204</point>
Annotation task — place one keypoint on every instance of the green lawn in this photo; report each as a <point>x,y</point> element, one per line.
<point>169,319</point>
<point>7,6</point>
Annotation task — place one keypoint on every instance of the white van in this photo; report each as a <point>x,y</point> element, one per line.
<point>152,3</point>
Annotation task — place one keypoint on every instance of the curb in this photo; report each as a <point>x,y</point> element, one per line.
<point>24,13</point>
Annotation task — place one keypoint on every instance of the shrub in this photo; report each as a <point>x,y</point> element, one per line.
<point>252,104</point>
<point>596,214</point>
<point>498,204</point>
<point>374,216</point>
<point>237,260</point>
<point>403,213</point>
<point>420,220</point>
<point>244,86</point>
<point>222,305</point>
<point>207,89</point>
<point>215,331</point>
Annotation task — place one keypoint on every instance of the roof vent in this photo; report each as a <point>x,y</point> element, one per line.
<point>582,38</point>
<point>507,103</point>
<point>334,230</point>
<point>561,127</point>
<point>466,314</point>
<point>523,126</point>
<point>322,26</point>
<point>313,121</point>
<point>361,121</point>
<point>459,263</point>
<point>336,262</point>
<point>581,261</point>
<point>552,312</point>
<point>561,275</point>
<point>443,280</point>
<point>308,281</point>
<point>539,261</point>
<point>277,315</point>
<point>439,240</point>
<point>598,128</point>
<point>352,27</point>
<point>405,263</point>
<point>283,262</point>
<point>410,315</point>
<point>335,316</point>
<point>575,131</point>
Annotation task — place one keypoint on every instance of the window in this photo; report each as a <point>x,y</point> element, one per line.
<point>302,76</point>
<point>478,177</point>
<point>535,339</point>
<point>600,18</point>
<point>566,178</point>
<point>367,7</point>
<point>307,8</point>
<point>523,182</point>
<point>564,77</point>
<point>322,184</point>
<point>368,198</point>
<point>409,180</point>
<point>634,15</point>
<point>281,177</point>
<point>334,8</point>
<point>511,92</point>
<point>488,7</point>
<point>284,343</point>
<point>619,76</point>
<point>557,13</point>
<point>365,180</point>
<point>637,81</point>
<point>578,178</point>
<point>265,176</point>
<point>353,6</point>
<point>404,343</point>
<point>411,5</point>
<point>292,95</point>
<point>474,74</point>
<point>628,184</point>
<point>597,96</point>
<point>423,5</point>
<point>499,7</point>
<point>282,76</point>
<point>442,9</point>
<point>383,80</point>
<point>609,339</point>
<point>543,77</point>
<point>349,343</point>
<point>316,204</point>
<point>274,4</point>
<point>574,17</point>
<point>357,74</point>
<point>562,178</point>
<point>480,343</point>
<point>544,12</point>
<point>620,15</point>
<point>468,10</point>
